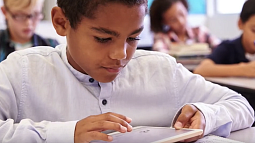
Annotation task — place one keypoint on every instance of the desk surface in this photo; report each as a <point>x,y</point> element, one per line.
<point>246,135</point>
<point>242,82</point>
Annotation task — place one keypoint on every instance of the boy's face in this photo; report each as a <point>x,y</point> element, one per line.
<point>248,38</point>
<point>103,46</point>
<point>22,28</point>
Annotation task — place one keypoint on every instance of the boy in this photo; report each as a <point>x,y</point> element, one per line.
<point>99,82</point>
<point>237,56</point>
<point>22,17</point>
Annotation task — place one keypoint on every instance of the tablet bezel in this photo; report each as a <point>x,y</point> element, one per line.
<point>176,138</point>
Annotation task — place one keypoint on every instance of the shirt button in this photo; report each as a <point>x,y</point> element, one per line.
<point>104,102</point>
<point>91,80</point>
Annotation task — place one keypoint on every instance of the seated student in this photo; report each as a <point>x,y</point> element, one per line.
<point>22,17</point>
<point>169,23</point>
<point>99,82</point>
<point>234,57</point>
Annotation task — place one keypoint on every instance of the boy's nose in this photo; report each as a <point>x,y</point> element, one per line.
<point>119,52</point>
<point>29,21</point>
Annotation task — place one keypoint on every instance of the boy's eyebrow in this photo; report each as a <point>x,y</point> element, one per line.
<point>114,33</point>
<point>106,31</point>
<point>137,30</point>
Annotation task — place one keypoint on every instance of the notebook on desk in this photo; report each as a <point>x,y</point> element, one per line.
<point>193,50</point>
<point>145,134</point>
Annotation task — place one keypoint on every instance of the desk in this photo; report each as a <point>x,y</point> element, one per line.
<point>190,63</point>
<point>238,82</point>
<point>246,135</point>
<point>242,85</point>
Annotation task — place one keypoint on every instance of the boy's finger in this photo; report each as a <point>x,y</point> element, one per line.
<point>117,118</point>
<point>107,125</point>
<point>187,113</point>
<point>127,119</point>
<point>90,136</point>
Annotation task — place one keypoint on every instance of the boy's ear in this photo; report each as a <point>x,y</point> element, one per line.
<point>240,24</point>
<point>59,21</point>
<point>3,11</point>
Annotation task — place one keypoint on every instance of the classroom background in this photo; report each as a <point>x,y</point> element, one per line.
<point>216,15</point>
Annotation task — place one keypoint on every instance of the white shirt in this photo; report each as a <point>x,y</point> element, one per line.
<point>19,46</point>
<point>42,96</point>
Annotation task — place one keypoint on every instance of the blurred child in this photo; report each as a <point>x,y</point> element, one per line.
<point>22,17</point>
<point>234,57</point>
<point>98,82</point>
<point>169,23</point>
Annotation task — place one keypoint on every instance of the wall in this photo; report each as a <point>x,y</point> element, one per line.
<point>222,26</point>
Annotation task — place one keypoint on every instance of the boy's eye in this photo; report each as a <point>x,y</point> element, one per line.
<point>102,40</point>
<point>133,39</point>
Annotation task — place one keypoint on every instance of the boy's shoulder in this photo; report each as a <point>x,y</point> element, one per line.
<point>44,51</point>
<point>4,34</point>
<point>152,57</point>
<point>231,43</point>
<point>41,41</point>
<point>149,54</point>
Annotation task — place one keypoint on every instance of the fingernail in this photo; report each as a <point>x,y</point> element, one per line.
<point>178,125</point>
<point>110,138</point>
<point>123,129</point>
<point>129,128</point>
<point>129,119</point>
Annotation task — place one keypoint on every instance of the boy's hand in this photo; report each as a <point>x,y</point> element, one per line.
<point>90,128</point>
<point>192,118</point>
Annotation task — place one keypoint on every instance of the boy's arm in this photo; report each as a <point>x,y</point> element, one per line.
<point>224,110</point>
<point>15,129</point>
<point>209,69</point>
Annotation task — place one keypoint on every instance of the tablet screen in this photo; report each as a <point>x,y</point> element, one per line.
<point>147,135</point>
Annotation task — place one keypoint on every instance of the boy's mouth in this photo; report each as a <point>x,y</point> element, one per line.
<point>114,69</point>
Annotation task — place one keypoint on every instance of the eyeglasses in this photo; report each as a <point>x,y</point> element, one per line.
<point>24,17</point>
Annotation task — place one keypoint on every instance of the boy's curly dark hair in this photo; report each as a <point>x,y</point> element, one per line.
<point>248,10</point>
<point>74,10</point>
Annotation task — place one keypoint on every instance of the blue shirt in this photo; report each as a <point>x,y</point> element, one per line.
<point>6,47</point>
<point>42,96</point>
<point>229,52</point>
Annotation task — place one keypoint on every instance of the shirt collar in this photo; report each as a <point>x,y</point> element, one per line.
<point>83,78</point>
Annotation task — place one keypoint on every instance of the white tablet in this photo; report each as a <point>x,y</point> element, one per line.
<point>146,134</point>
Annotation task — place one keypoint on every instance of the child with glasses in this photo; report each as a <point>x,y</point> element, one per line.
<point>22,17</point>
<point>99,82</point>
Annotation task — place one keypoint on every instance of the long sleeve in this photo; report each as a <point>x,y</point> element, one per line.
<point>13,128</point>
<point>224,109</point>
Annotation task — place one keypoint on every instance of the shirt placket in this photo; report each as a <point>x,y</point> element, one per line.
<point>105,97</point>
